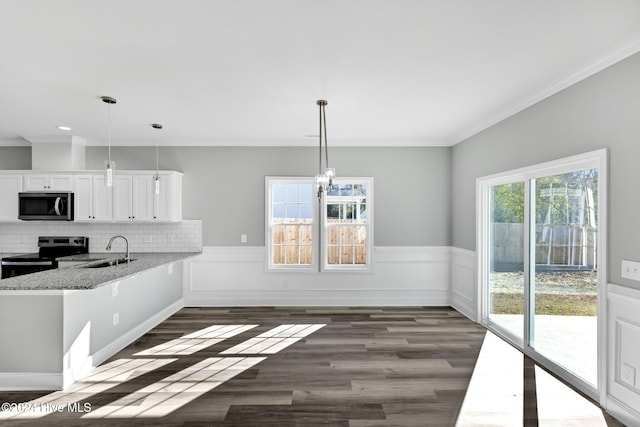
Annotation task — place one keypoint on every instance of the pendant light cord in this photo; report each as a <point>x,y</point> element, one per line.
<point>323,132</point>
<point>109,130</point>
<point>324,126</point>
<point>320,145</point>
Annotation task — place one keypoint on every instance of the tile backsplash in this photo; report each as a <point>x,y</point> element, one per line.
<point>185,236</point>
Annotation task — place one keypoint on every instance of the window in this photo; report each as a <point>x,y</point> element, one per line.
<point>295,224</point>
<point>346,224</point>
<point>291,223</point>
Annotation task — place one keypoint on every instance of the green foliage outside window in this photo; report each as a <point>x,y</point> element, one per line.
<point>552,204</point>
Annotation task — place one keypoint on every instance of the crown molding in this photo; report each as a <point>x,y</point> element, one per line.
<point>554,88</point>
<point>292,143</point>
<point>14,142</point>
<point>44,139</point>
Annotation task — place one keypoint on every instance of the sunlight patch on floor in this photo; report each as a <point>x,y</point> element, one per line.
<point>495,396</point>
<point>165,396</point>
<point>558,404</point>
<point>495,393</point>
<point>171,393</point>
<point>196,341</point>
<point>100,379</point>
<point>275,340</point>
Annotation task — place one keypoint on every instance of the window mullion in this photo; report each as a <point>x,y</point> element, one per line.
<point>529,267</point>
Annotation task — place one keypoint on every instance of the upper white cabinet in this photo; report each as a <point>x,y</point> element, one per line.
<point>10,186</point>
<point>132,198</point>
<point>92,198</point>
<point>167,206</point>
<point>135,199</point>
<point>52,182</point>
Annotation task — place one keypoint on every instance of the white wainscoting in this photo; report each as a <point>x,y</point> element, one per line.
<point>236,276</point>
<point>464,292</point>
<point>623,347</point>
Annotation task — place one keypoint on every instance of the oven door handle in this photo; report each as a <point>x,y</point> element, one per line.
<point>27,264</point>
<point>56,206</point>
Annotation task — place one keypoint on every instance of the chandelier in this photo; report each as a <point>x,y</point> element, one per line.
<point>324,178</point>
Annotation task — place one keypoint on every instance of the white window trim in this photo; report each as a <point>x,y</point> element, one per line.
<point>368,266</point>
<point>593,159</point>
<point>318,228</point>
<point>269,265</point>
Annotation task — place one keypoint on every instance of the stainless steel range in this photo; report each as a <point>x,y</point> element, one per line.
<point>51,247</point>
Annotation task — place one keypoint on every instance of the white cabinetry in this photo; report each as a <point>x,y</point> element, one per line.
<point>133,198</point>
<point>92,198</point>
<point>167,206</point>
<point>52,182</point>
<point>10,186</point>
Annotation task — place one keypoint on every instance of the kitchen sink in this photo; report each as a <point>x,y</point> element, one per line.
<point>107,263</point>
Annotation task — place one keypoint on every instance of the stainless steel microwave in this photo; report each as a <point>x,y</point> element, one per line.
<point>35,206</point>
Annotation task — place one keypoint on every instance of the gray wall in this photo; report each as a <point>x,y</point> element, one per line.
<point>15,158</point>
<point>224,186</point>
<point>602,111</point>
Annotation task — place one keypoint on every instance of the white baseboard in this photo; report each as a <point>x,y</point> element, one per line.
<point>315,298</point>
<point>622,412</point>
<point>33,381</point>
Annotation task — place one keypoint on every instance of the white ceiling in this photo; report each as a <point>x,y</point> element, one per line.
<point>249,72</point>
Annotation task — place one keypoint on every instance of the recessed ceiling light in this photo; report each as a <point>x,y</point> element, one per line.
<point>64,128</point>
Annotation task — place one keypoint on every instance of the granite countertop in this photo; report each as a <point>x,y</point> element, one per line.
<point>79,277</point>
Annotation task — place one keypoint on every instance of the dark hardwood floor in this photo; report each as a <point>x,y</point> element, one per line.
<point>363,367</point>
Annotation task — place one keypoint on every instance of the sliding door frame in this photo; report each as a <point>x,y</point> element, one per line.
<point>594,159</point>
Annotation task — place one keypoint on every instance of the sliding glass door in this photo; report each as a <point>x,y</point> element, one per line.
<point>541,252</point>
<point>564,286</point>
<point>506,257</point>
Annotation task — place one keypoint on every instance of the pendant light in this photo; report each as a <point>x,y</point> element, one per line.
<point>156,177</point>
<point>324,179</point>
<point>109,165</point>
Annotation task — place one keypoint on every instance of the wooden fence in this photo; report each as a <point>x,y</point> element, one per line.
<point>293,242</point>
<point>558,245</point>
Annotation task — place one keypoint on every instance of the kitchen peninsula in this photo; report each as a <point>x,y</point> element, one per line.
<point>55,325</point>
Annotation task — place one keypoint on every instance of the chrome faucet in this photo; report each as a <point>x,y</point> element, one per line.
<point>126,257</point>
